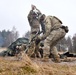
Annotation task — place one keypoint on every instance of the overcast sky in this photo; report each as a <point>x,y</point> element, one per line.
<point>14,13</point>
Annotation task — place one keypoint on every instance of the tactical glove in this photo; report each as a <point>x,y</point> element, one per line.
<point>37,41</point>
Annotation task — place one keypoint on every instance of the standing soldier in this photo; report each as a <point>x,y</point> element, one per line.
<point>33,18</point>
<point>54,33</point>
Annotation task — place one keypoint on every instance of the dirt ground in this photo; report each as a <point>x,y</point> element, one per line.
<point>29,66</point>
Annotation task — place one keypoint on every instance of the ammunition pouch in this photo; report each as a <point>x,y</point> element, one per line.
<point>65,28</point>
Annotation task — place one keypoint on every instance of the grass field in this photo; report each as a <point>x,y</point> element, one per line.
<point>31,66</point>
<point>27,66</point>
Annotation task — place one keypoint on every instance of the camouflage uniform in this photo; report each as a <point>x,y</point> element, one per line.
<point>53,34</point>
<point>34,24</point>
<point>33,18</point>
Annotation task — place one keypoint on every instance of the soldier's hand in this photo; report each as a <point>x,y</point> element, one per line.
<point>37,41</point>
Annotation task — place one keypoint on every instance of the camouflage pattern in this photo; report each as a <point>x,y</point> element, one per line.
<point>34,46</point>
<point>16,47</point>
<point>33,50</point>
<point>53,34</point>
<point>33,19</point>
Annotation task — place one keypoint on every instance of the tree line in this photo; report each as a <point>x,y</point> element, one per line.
<point>7,37</point>
<point>68,43</point>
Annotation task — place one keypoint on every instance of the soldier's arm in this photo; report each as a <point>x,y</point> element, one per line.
<point>29,18</point>
<point>48,27</point>
<point>39,12</point>
<point>42,26</point>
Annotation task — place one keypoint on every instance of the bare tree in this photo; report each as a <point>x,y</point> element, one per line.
<point>27,35</point>
<point>74,43</point>
<point>62,45</point>
<point>69,44</point>
<point>15,33</point>
<point>8,36</point>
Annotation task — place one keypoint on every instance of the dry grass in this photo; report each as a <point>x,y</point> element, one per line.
<point>27,66</point>
<point>9,66</point>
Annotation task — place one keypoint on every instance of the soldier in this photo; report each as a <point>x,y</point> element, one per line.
<point>33,18</point>
<point>54,33</point>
